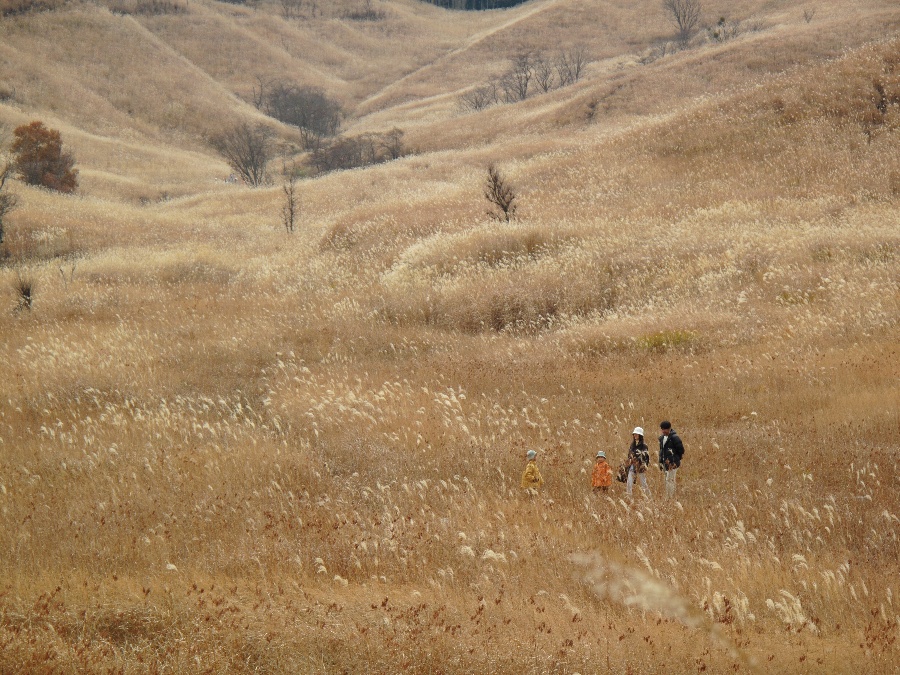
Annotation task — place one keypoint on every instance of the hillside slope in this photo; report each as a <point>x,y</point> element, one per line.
<point>166,82</point>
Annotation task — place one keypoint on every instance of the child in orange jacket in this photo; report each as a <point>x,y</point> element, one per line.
<point>602,476</point>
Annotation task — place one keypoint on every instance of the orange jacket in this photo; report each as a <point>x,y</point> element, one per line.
<point>603,474</point>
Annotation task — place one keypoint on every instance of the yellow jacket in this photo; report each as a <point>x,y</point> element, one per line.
<point>532,477</point>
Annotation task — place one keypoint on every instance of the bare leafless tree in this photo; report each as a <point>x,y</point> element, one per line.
<point>480,98</point>
<point>579,58</point>
<point>685,15</point>
<point>809,14</point>
<point>516,82</point>
<point>544,75</point>
<point>247,149</point>
<point>563,69</point>
<point>261,91</point>
<point>571,63</point>
<point>8,201</point>
<point>506,88</point>
<point>501,196</point>
<point>392,144</point>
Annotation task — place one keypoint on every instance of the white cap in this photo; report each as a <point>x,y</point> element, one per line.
<point>601,454</point>
<point>531,454</point>
<point>638,430</point>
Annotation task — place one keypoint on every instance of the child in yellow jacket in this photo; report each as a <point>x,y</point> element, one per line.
<point>602,476</point>
<point>531,479</point>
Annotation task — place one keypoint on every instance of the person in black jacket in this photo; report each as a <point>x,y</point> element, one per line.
<point>637,462</point>
<point>671,450</point>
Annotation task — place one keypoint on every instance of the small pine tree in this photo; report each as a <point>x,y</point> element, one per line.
<point>41,160</point>
<point>291,206</point>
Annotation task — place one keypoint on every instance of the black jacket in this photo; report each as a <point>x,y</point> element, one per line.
<point>673,450</point>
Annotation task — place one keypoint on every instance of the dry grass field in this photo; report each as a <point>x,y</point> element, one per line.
<point>227,449</point>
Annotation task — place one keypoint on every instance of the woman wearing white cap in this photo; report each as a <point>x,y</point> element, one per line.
<point>638,461</point>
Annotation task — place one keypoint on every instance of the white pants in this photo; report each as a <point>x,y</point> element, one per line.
<point>670,482</point>
<point>630,483</point>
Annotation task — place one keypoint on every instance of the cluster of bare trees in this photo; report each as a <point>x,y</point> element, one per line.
<point>366,11</point>
<point>350,152</point>
<point>248,149</point>
<point>310,109</point>
<point>295,9</point>
<point>530,73</point>
<point>686,17</point>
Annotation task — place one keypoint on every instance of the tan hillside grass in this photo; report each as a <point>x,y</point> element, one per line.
<point>227,449</point>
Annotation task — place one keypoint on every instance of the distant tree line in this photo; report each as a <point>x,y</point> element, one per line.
<point>147,7</point>
<point>475,4</point>
<point>14,7</point>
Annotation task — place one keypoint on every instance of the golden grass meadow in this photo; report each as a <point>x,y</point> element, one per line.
<point>225,448</point>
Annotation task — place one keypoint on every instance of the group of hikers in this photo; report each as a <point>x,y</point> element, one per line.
<point>635,466</point>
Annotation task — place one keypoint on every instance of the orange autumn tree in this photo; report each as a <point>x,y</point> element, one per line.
<point>41,160</point>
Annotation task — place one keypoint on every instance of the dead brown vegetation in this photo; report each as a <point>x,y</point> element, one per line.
<point>227,450</point>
